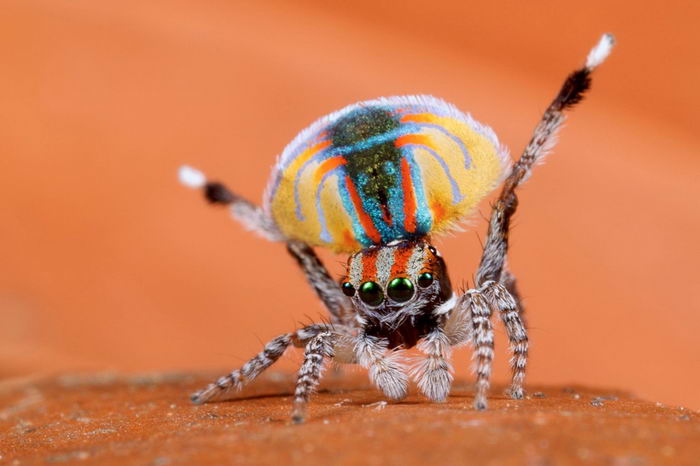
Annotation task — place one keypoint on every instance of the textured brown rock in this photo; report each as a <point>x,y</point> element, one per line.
<point>110,419</point>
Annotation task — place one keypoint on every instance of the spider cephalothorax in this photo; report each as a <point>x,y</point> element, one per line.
<point>398,290</point>
<point>376,180</point>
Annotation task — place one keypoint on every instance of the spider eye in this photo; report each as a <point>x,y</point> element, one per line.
<point>348,289</point>
<point>371,293</point>
<point>400,289</point>
<point>425,279</point>
<point>432,250</point>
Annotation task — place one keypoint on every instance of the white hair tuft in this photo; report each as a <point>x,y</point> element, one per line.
<point>600,52</point>
<point>191,177</point>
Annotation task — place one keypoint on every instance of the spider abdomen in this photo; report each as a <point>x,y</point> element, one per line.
<point>383,170</point>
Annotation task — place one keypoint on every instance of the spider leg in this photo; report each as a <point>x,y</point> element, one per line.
<point>309,376</point>
<point>326,288</point>
<point>256,219</point>
<point>482,337</point>
<point>470,322</point>
<point>510,314</point>
<point>272,351</point>
<point>493,259</point>
<point>434,372</point>
<point>385,371</point>
<point>543,139</point>
<point>509,281</point>
<point>248,214</point>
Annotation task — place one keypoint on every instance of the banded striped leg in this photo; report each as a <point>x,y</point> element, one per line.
<point>248,214</point>
<point>572,91</point>
<point>338,305</point>
<point>254,218</point>
<point>272,351</point>
<point>480,310</point>
<point>434,373</point>
<point>508,280</point>
<point>492,265</point>
<point>385,371</point>
<point>509,311</point>
<point>317,349</point>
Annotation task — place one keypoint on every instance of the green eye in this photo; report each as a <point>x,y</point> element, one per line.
<point>348,289</point>
<point>371,293</point>
<point>400,289</point>
<point>425,279</point>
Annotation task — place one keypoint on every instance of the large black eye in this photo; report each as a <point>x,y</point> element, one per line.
<point>348,289</point>
<point>371,293</point>
<point>400,289</point>
<point>425,279</point>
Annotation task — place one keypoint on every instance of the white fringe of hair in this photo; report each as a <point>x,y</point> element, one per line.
<point>191,177</point>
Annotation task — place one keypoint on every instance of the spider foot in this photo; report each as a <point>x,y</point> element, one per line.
<point>517,393</point>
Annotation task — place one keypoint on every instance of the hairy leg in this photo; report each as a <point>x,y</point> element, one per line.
<point>543,139</point>
<point>480,310</point>
<point>248,214</point>
<point>338,305</point>
<point>507,307</point>
<point>309,376</point>
<point>509,281</point>
<point>385,371</point>
<point>493,259</point>
<point>434,373</point>
<point>272,351</point>
<point>255,219</point>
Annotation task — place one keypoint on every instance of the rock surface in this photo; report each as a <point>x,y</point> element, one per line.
<point>112,419</point>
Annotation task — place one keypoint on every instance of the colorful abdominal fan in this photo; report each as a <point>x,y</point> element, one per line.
<point>383,170</point>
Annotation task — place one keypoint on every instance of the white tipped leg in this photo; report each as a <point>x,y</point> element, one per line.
<point>192,178</point>
<point>250,215</point>
<point>600,52</point>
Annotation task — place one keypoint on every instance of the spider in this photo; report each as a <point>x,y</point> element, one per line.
<point>377,180</point>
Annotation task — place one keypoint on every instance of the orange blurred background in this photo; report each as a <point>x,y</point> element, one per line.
<point>109,264</point>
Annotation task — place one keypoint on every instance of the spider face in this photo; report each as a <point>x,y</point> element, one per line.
<point>388,284</point>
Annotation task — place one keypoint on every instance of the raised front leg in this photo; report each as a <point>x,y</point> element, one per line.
<point>248,214</point>
<point>255,219</point>
<point>491,275</point>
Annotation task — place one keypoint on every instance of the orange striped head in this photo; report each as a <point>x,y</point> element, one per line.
<point>397,275</point>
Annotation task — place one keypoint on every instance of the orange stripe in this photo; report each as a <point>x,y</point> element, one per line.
<point>369,265</point>
<point>412,139</point>
<point>327,166</point>
<point>365,221</point>
<point>401,257</point>
<point>349,240</point>
<point>438,211</point>
<point>308,153</point>
<point>409,197</point>
<point>420,118</point>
